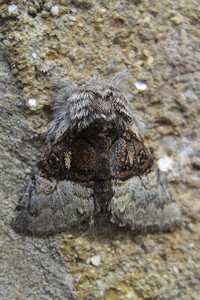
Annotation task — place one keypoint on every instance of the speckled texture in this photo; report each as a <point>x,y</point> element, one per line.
<point>160,44</point>
<point>29,268</point>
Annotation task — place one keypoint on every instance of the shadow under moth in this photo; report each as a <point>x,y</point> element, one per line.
<point>96,172</point>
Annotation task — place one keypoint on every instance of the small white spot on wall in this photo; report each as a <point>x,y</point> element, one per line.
<point>34,55</point>
<point>165,163</point>
<point>55,10</point>
<point>12,7</point>
<point>141,85</point>
<point>32,102</point>
<point>95,260</point>
<point>72,18</point>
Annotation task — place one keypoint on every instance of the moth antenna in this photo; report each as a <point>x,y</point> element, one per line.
<point>58,83</point>
<point>138,123</point>
<point>121,82</point>
<point>94,84</point>
<point>62,89</point>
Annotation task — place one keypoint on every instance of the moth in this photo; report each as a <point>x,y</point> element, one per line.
<point>96,172</point>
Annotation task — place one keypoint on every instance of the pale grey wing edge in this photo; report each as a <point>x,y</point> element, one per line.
<point>47,208</point>
<point>144,204</point>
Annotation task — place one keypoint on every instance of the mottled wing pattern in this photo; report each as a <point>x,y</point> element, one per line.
<point>141,201</point>
<point>48,207</point>
<point>144,204</point>
<point>129,157</point>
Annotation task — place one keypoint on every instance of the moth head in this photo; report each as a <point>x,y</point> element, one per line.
<point>93,103</point>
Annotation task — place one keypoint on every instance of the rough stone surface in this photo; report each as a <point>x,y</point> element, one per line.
<point>29,268</point>
<point>160,44</point>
